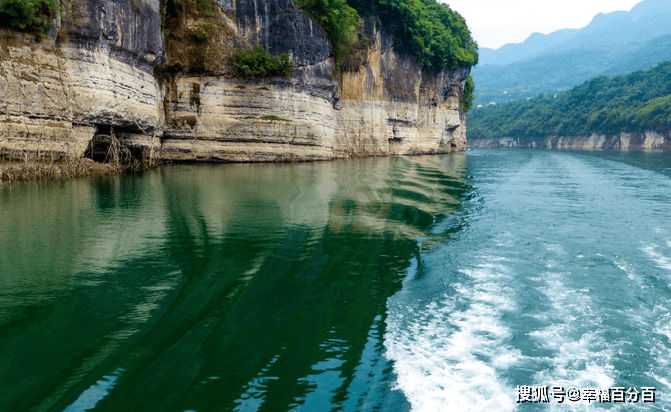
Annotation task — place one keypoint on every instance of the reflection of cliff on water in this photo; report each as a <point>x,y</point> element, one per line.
<point>60,289</point>
<point>268,289</point>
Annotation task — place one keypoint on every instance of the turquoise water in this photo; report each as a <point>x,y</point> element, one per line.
<point>430,283</point>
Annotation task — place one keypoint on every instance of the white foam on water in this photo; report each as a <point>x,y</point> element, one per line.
<point>448,356</point>
<point>559,249</point>
<point>580,362</point>
<point>631,272</point>
<point>663,262</point>
<point>663,322</point>
<point>660,350</point>
<point>662,380</point>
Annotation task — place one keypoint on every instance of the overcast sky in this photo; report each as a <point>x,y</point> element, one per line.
<point>497,22</point>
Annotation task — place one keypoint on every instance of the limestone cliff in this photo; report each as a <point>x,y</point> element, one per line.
<point>95,72</point>
<point>648,141</point>
<point>103,71</point>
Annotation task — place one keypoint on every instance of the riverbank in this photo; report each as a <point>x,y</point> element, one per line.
<point>624,141</point>
<point>12,171</point>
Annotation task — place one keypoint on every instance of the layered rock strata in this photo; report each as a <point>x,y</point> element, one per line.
<point>625,141</point>
<point>97,75</point>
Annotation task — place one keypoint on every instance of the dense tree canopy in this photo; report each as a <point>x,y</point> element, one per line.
<point>638,101</point>
<point>27,15</point>
<point>433,32</point>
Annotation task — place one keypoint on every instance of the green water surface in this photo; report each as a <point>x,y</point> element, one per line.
<point>214,287</point>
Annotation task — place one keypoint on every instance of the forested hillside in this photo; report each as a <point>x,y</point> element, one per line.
<point>635,102</point>
<point>614,43</point>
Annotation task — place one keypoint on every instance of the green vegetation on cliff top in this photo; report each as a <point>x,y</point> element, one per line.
<point>432,32</point>
<point>436,35</point>
<point>635,102</point>
<point>27,15</point>
<point>338,19</point>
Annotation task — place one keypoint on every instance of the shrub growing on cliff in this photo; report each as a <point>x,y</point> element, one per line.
<point>207,7</point>
<point>258,63</point>
<point>338,19</point>
<point>431,31</point>
<point>468,96</point>
<point>27,15</point>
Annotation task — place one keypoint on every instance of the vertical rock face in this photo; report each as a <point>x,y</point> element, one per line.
<point>127,30</point>
<point>279,27</point>
<point>96,75</point>
<point>381,104</point>
<point>213,118</point>
<point>390,105</point>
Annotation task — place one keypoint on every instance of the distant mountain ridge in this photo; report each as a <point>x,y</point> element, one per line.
<point>613,43</point>
<point>605,29</point>
<point>534,45</point>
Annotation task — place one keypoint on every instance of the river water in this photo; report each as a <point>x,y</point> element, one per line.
<point>475,281</point>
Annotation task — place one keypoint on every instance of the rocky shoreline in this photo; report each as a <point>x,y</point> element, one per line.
<point>71,168</point>
<point>625,141</point>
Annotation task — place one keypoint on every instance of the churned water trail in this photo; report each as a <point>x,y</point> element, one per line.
<point>561,279</point>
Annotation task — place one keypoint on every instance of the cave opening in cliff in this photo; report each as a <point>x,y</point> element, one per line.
<point>109,144</point>
<point>99,146</point>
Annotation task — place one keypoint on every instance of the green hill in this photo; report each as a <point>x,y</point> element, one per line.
<point>635,102</point>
